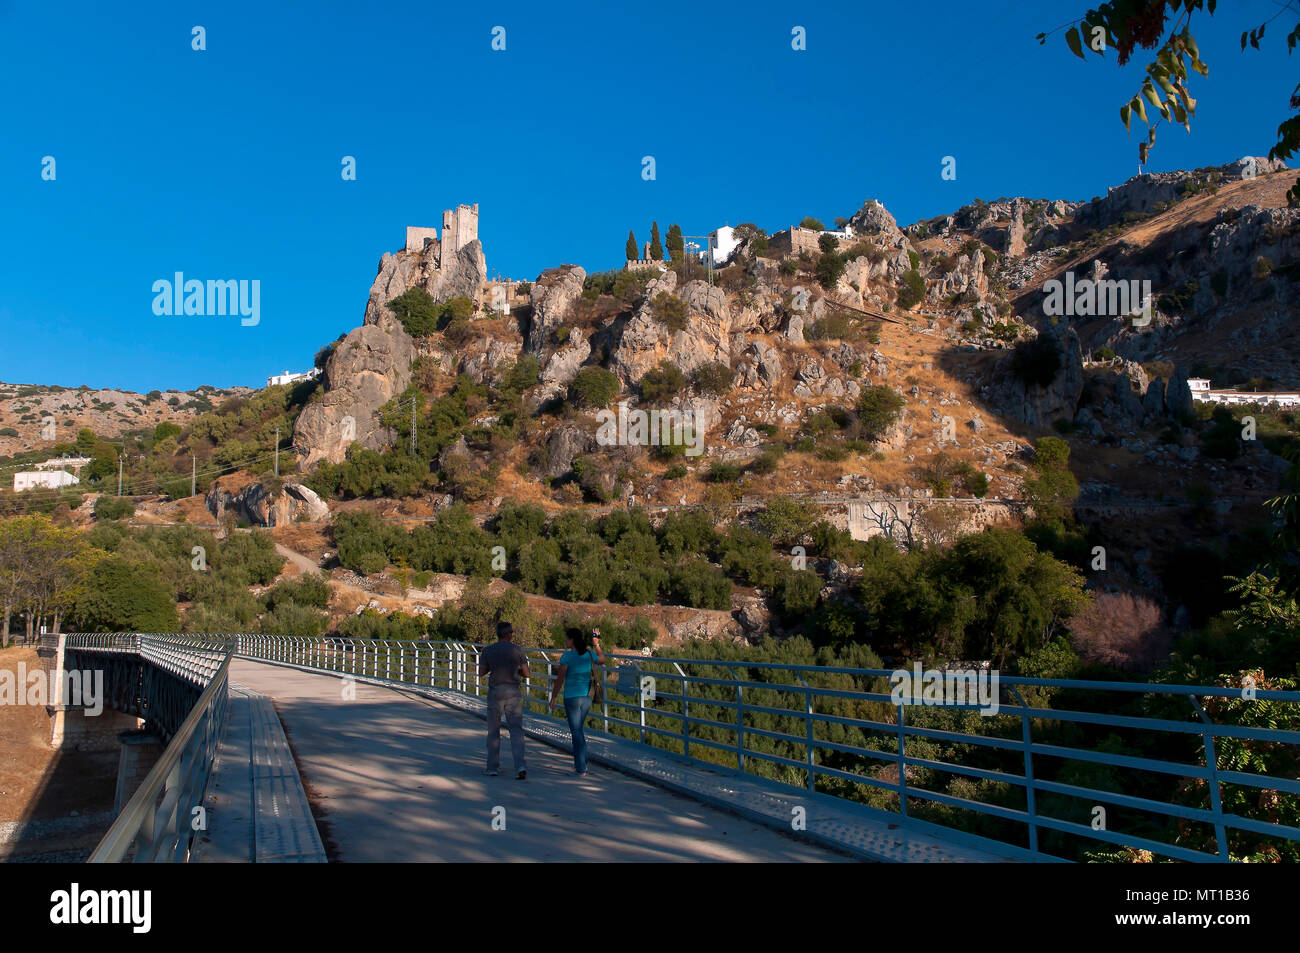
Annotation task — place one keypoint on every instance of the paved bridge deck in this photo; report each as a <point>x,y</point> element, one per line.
<point>399,776</point>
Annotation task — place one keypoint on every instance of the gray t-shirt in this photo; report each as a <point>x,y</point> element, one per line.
<point>502,660</point>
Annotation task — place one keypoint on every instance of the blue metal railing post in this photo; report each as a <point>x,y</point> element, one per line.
<point>1031,801</point>
<point>902,761</point>
<point>1216,794</point>
<point>740,727</point>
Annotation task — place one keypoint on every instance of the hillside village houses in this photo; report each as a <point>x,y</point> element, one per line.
<point>288,378</point>
<point>51,474</point>
<point>1201,390</point>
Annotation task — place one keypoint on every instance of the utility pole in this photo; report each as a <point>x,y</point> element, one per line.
<point>277,451</point>
<point>707,251</point>
<point>193,476</point>
<point>412,425</point>
<point>120,457</point>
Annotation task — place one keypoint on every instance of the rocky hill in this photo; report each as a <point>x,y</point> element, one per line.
<point>34,416</point>
<point>769,356</point>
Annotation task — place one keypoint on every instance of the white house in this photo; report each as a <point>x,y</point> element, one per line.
<point>722,244</point>
<point>1202,391</point>
<point>46,479</point>
<point>288,378</point>
<point>51,474</point>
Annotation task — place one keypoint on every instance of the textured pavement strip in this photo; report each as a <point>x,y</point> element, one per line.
<point>257,809</point>
<point>843,827</point>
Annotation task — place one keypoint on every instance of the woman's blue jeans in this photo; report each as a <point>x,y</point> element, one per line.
<point>576,709</point>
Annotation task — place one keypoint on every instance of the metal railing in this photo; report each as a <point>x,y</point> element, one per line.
<point>156,823</point>
<point>1039,778</point>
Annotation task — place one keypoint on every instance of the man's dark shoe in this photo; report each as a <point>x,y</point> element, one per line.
<point>522,775</point>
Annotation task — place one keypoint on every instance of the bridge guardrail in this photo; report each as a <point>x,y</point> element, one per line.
<point>840,731</point>
<point>156,822</point>
<point>830,731</point>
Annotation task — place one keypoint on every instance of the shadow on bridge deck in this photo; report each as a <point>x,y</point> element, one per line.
<point>399,777</point>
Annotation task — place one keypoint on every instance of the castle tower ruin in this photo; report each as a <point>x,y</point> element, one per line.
<point>459,228</point>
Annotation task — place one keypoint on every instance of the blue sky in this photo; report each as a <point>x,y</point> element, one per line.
<point>226,163</point>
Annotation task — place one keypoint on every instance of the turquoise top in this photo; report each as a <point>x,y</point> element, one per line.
<point>577,680</point>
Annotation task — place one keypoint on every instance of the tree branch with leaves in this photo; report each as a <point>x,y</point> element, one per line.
<point>1165,26</point>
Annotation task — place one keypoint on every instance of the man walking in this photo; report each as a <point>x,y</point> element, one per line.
<point>504,663</point>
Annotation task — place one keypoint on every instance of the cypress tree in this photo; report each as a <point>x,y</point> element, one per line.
<point>656,248</point>
<point>632,253</point>
<point>676,247</point>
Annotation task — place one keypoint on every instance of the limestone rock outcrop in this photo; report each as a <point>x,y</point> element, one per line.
<point>553,295</point>
<point>372,364</point>
<point>252,502</point>
<point>706,337</point>
<point>370,367</point>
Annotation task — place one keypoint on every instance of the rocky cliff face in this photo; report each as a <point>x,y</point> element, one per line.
<point>554,293</point>
<point>367,369</point>
<point>253,502</point>
<point>372,365</point>
<point>1036,406</point>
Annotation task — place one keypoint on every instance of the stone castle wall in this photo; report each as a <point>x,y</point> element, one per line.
<point>416,236</point>
<point>796,241</point>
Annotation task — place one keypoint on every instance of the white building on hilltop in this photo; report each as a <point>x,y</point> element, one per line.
<point>288,378</point>
<point>1202,391</point>
<point>51,474</point>
<point>722,245</point>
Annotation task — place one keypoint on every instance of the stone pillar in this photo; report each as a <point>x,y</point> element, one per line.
<point>140,752</point>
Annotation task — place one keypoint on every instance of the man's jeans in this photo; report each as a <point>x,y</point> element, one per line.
<point>576,709</point>
<point>507,700</point>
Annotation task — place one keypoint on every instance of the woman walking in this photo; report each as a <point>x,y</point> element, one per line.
<point>574,678</point>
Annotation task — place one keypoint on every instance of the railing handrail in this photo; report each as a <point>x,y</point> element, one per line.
<point>441,664</point>
<point>1140,688</point>
<point>451,665</point>
<point>138,817</point>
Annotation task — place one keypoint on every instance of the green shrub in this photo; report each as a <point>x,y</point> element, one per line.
<point>699,585</point>
<point>830,268</point>
<point>686,532</point>
<point>797,591</point>
<point>124,596</point>
<point>723,472</point>
<point>662,383</point>
<point>417,311</point>
<point>669,310</point>
<point>309,589</point>
<point>878,407</point>
<point>787,521</point>
<point>713,378</point>
<point>593,387</point>
<point>836,326</point>
<point>114,508</point>
<point>913,291</point>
